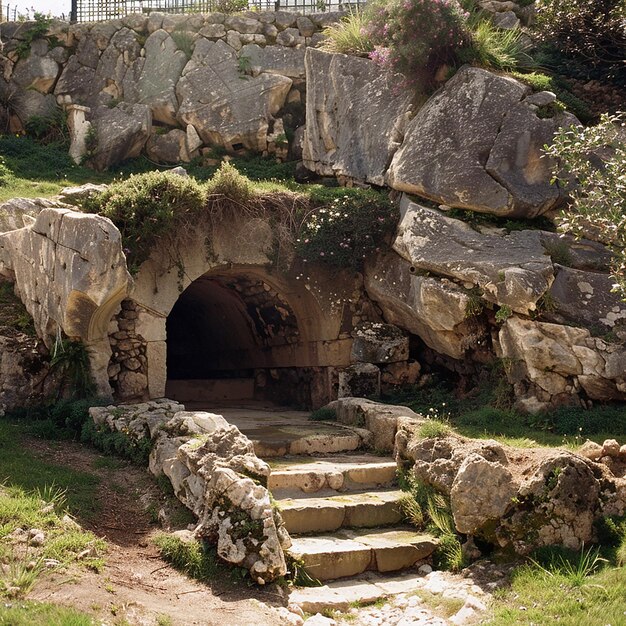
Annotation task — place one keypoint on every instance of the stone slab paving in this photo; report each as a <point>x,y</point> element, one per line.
<point>466,596</point>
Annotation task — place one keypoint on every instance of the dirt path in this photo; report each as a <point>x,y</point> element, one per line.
<point>136,586</point>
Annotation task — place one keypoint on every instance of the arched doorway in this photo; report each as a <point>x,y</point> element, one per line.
<point>234,337</point>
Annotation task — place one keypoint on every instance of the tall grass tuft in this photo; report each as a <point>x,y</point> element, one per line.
<point>495,48</point>
<point>348,36</point>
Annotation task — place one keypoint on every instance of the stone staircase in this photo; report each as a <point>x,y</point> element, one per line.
<point>344,516</point>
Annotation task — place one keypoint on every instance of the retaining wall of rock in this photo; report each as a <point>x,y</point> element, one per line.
<point>216,474</point>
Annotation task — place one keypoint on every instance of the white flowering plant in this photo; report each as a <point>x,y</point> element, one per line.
<point>346,228</point>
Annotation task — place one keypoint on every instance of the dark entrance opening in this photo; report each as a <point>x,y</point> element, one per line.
<point>225,334</point>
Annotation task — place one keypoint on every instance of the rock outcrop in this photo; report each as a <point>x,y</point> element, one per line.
<point>355,117</point>
<point>522,498</point>
<point>511,269</point>
<point>478,144</point>
<point>552,362</point>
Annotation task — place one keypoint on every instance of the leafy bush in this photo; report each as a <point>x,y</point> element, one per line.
<point>598,192</point>
<point>228,182</point>
<point>593,31</point>
<point>349,36</point>
<point>145,207</point>
<point>49,128</point>
<point>416,37</point>
<point>347,226</point>
<point>37,31</point>
<point>70,360</point>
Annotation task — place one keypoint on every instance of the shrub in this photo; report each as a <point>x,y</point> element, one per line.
<point>598,193</point>
<point>145,207</point>
<point>70,360</point>
<point>415,37</point>
<point>49,128</point>
<point>593,31</point>
<point>230,184</point>
<point>346,227</point>
<point>349,36</point>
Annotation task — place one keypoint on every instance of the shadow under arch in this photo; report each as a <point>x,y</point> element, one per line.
<point>239,333</point>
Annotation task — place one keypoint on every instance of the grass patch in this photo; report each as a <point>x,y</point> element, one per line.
<point>194,558</point>
<point>348,36</point>
<point>137,451</point>
<point>41,614</point>
<point>21,469</point>
<point>568,595</point>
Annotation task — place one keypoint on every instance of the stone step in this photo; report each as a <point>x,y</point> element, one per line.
<point>291,477</point>
<point>352,552</point>
<point>359,510</point>
<point>340,595</point>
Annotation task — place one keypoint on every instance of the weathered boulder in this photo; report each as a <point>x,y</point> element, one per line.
<point>225,107</point>
<point>159,72</point>
<point>374,342</point>
<point>113,66</point>
<point>168,148</point>
<point>585,299</point>
<point>512,270</point>
<point>380,419</point>
<point>436,310</point>
<point>560,360</point>
<point>355,117</point>
<point>121,133</point>
<point>20,212</point>
<point>523,498</point>
<point>477,145</point>
<point>38,70</point>
<point>361,380</point>
<point>273,60</point>
<point>481,492</point>
<point>25,376</point>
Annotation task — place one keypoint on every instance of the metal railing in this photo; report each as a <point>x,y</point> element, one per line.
<point>98,10</point>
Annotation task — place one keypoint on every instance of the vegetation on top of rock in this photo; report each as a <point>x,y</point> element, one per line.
<point>392,25</point>
<point>346,229</point>
<point>349,35</point>
<point>592,164</point>
<point>145,207</point>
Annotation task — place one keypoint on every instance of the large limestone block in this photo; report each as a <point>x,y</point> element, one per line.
<point>225,107</point>
<point>20,212</point>
<point>476,145</point>
<point>70,271</point>
<point>274,60</point>
<point>355,116</point>
<point>168,148</point>
<point>436,310</point>
<point>76,82</point>
<point>585,298</point>
<point>115,62</point>
<point>160,72</point>
<point>517,160</point>
<point>121,133</point>
<point>36,71</point>
<point>512,270</point>
<point>554,357</point>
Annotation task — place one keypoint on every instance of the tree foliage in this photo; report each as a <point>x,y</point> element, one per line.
<point>592,165</point>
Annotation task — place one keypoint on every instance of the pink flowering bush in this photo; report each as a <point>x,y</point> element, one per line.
<point>416,37</point>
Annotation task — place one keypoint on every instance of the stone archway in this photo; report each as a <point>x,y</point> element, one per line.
<point>230,336</point>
